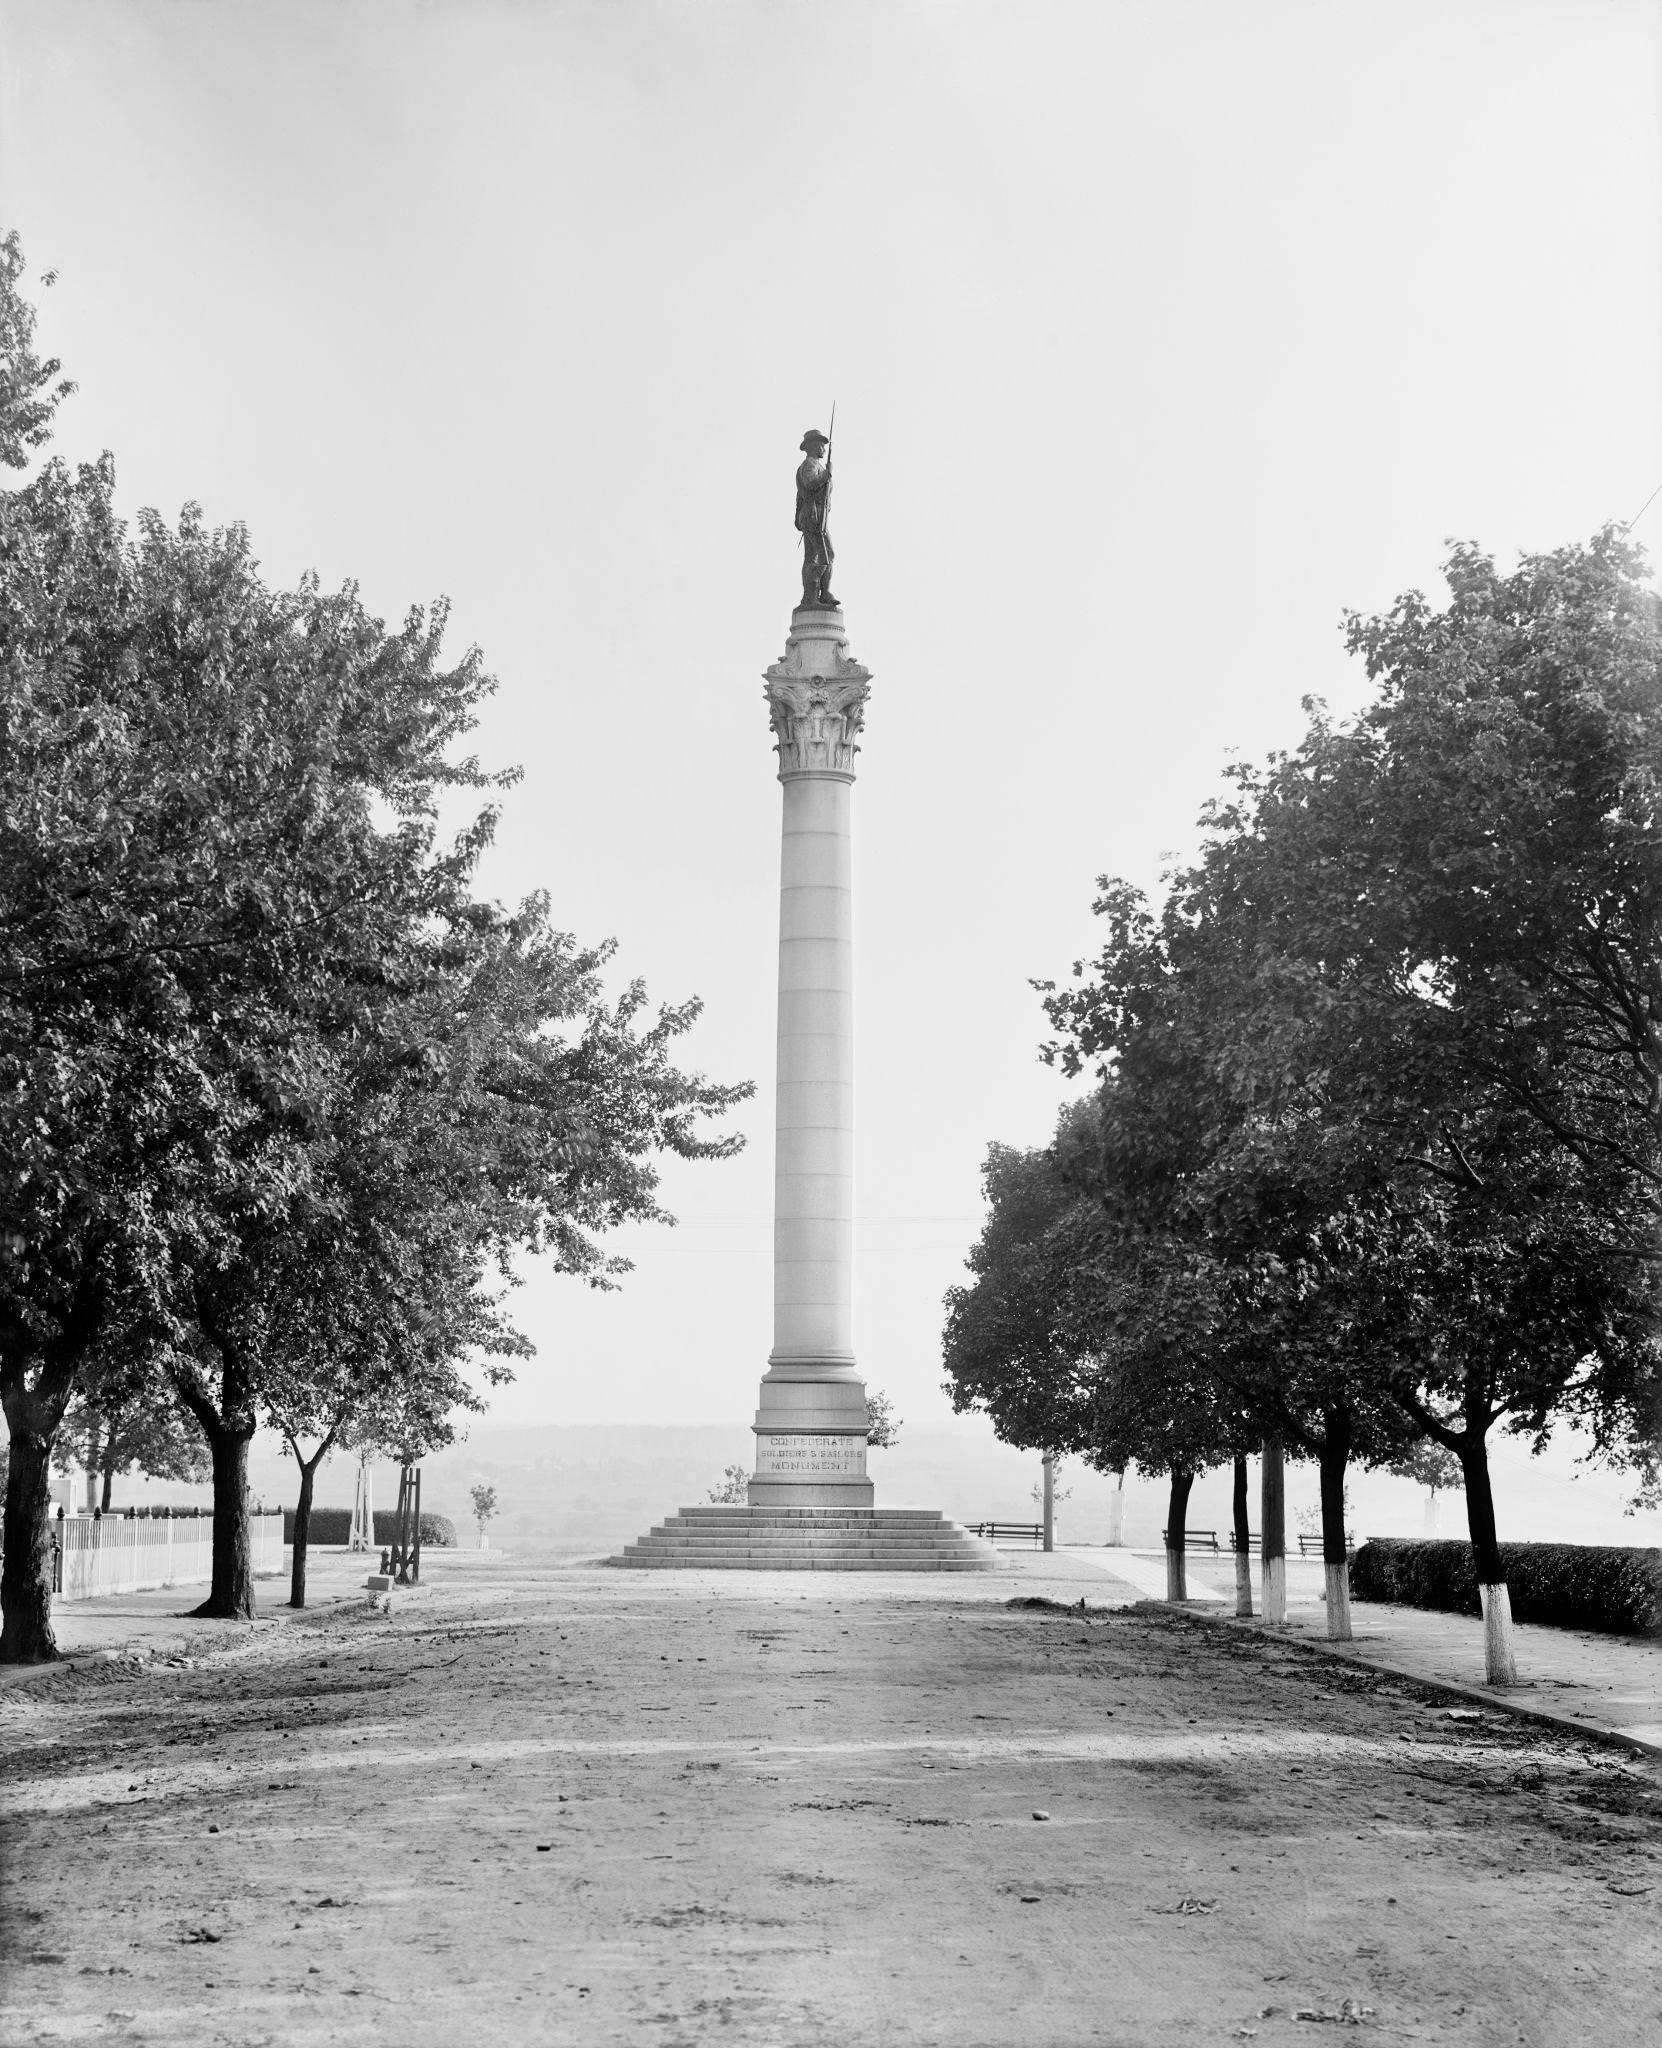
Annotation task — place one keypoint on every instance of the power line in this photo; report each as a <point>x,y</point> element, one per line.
<point>1629,525</point>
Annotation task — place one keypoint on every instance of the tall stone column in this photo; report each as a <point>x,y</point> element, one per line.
<point>811,1423</point>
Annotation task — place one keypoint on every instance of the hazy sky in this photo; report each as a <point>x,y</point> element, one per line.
<point>1159,335</point>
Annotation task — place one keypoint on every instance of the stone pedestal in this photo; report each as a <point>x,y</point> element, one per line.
<point>811,1422</point>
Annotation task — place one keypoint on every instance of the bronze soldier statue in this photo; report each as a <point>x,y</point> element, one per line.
<point>813,505</point>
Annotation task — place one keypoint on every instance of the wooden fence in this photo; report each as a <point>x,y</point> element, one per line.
<point>132,1553</point>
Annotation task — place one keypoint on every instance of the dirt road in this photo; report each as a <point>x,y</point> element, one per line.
<point>557,1805</point>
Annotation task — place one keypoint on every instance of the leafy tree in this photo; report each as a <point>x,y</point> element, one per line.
<point>1009,1346</point>
<point>1229,1196</point>
<point>484,1507</point>
<point>883,1426</point>
<point>221,900</point>
<point>1416,952</point>
<point>31,389</point>
<point>117,1425</point>
<point>1078,1336</point>
<point>1502,793</point>
<point>1058,1494</point>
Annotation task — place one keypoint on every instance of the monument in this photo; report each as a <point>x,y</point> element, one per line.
<point>811,1424</point>
<point>810,1500</point>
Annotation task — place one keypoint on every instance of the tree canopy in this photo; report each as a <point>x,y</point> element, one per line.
<point>282,1098</point>
<point>1379,1083</point>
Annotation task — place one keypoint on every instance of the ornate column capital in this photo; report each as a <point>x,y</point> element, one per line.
<point>816,695</point>
<point>816,720</point>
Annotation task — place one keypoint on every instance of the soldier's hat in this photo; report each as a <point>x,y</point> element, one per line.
<point>815,437</point>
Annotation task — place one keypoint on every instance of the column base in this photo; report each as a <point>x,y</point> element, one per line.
<point>810,1429</point>
<point>798,1493</point>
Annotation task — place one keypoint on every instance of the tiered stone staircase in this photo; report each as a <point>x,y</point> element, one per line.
<point>738,1539</point>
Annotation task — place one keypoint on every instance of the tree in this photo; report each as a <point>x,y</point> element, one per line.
<point>1058,1494</point>
<point>883,1426</point>
<point>733,1488</point>
<point>484,1507</point>
<point>31,389</point>
<point>1418,952</point>
<point>1080,1336</point>
<point>1009,1346</point>
<point>1432,1467</point>
<point>221,896</point>
<point>190,860</point>
<point>118,1426</point>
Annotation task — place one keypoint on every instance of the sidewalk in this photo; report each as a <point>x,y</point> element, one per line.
<point>158,1625</point>
<point>1612,1684</point>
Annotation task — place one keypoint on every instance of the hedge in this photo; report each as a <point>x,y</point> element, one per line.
<point>334,1525</point>
<point>1561,1585</point>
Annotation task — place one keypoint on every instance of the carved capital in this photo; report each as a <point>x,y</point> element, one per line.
<point>817,719</point>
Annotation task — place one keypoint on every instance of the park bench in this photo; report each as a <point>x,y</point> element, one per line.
<point>1254,1544</point>
<point>1195,1539</point>
<point>1009,1532</point>
<point>1311,1546</point>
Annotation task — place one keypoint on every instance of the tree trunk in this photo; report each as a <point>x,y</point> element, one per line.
<point>109,1477</point>
<point>231,1595</point>
<point>1335,1456</point>
<point>93,1462</point>
<point>1116,1511</point>
<point>1177,1515</point>
<point>302,1531</point>
<point>1049,1504</point>
<point>1272,1515</point>
<point>1500,1665</point>
<point>26,1575</point>
<point>1243,1544</point>
<point>303,1514</point>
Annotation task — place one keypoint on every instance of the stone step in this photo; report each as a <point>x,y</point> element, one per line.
<point>774,1561</point>
<point>851,1518</point>
<point>795,1518</point>
<point>809,1532</point>
<point>819,1539</point>
<point>728,1537</point>
<point>826,1553</point>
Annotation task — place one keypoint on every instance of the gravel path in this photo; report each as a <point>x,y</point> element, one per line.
<point>561,1804</point>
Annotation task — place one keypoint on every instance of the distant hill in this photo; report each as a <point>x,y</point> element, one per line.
<point>605,1483</point>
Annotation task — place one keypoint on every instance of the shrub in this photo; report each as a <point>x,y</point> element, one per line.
<point>1560,1585</point>
<point>334,1525</point>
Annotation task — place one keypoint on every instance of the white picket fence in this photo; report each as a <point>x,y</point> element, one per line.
<point>118,1554</point>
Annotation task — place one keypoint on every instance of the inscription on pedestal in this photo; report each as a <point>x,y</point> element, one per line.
<point>810,1457</point>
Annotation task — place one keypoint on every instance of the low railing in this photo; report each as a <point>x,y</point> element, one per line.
<point>1009,1533</point>
<point>135,1553</point>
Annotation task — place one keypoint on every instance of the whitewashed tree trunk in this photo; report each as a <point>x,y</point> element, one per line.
<point>1500,1664</point>
<point>1177,1577</point>
<point>1243,1585</point>
<point>1338,1603</point>
<point>1272,1519</point>
<point>1050,1503</point>
<point>1116,1511</point>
